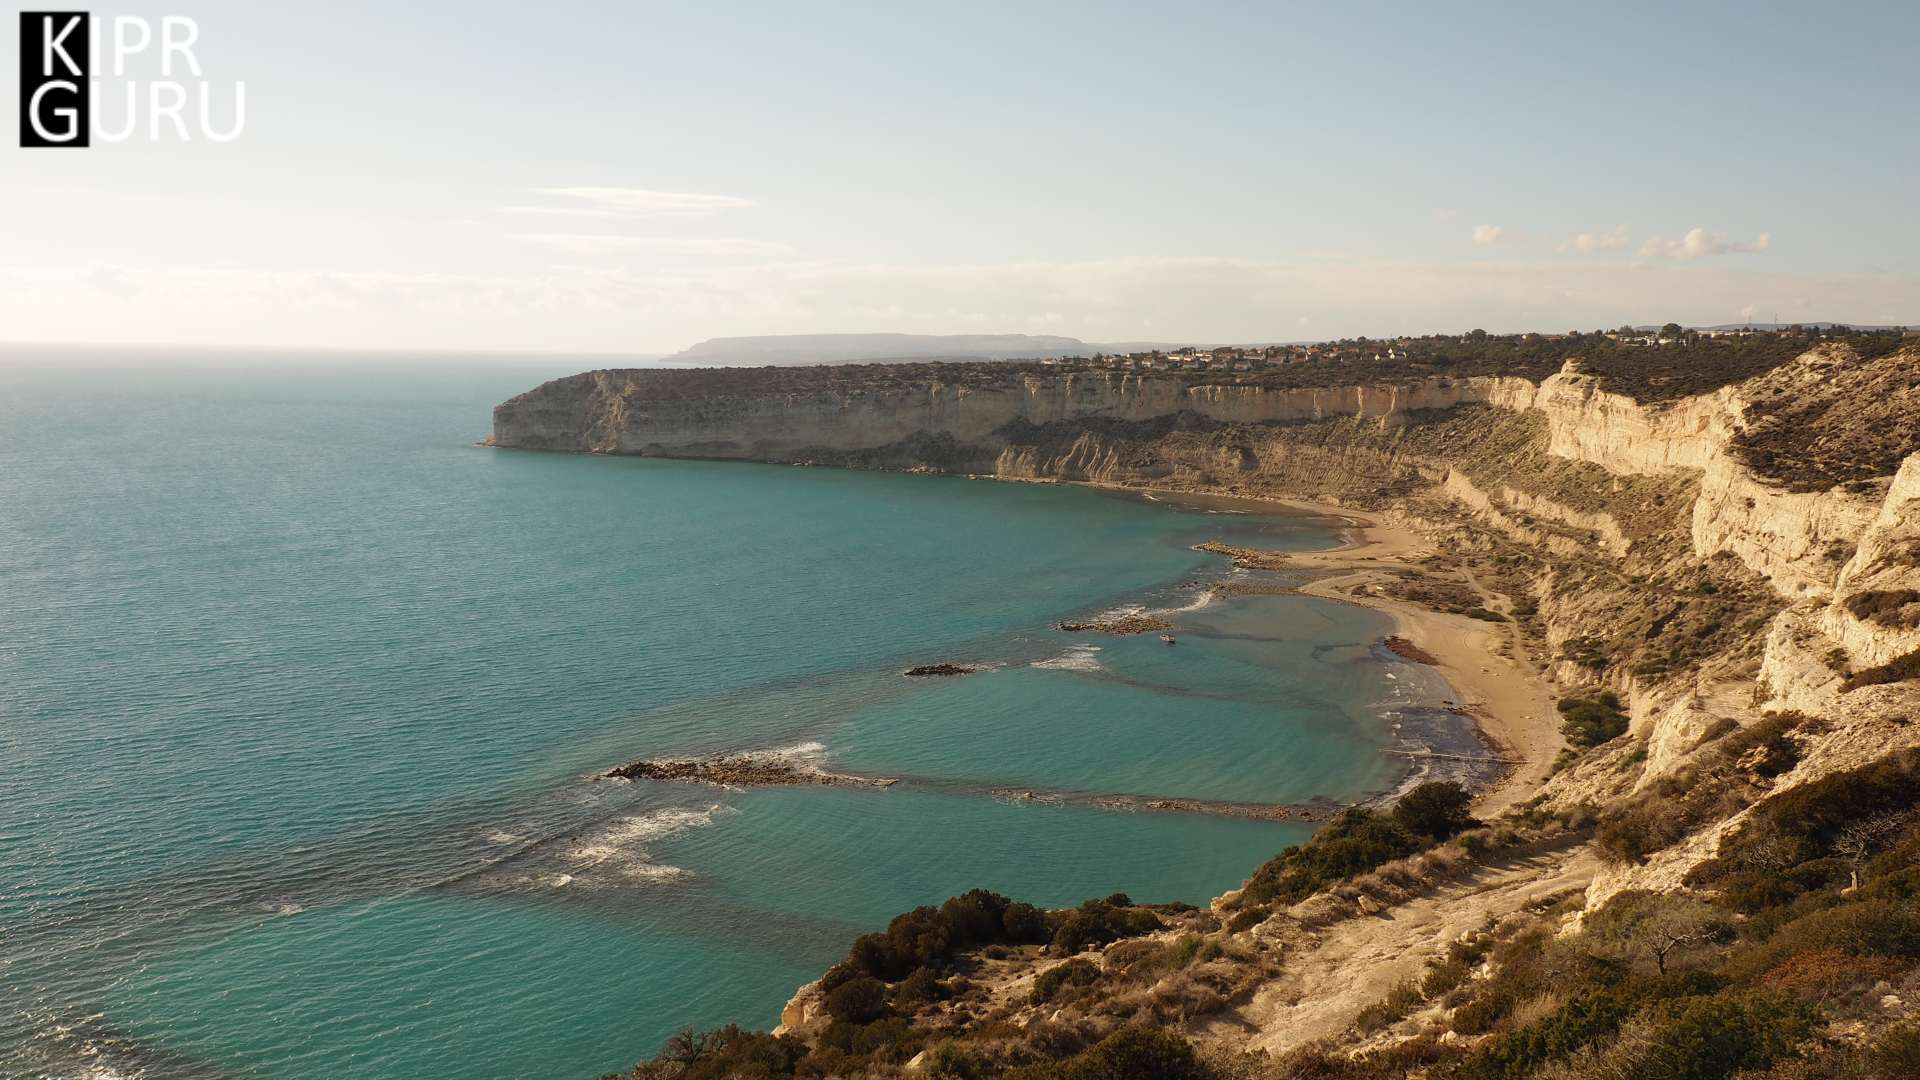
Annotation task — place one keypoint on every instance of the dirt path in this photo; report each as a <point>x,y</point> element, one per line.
<point>1330,975</point>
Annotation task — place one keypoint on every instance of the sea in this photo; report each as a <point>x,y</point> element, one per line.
<point>305,699</point>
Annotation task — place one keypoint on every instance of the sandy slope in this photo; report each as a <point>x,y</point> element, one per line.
<point>1331,974</point>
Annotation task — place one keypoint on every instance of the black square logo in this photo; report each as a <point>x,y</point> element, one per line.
<point>56,98</point>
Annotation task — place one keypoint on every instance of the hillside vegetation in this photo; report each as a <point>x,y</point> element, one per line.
<point>1717,567</point>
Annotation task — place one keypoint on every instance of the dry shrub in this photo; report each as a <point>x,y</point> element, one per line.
<point>1535,1008</point>
<point>1393,1008</point>
<point>1823,974</point>
<point>1623,1057</point>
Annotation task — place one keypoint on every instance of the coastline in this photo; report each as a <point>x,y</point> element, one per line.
<point>1509,703</point>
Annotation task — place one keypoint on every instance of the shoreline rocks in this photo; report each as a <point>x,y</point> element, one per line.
<point>1121,626</point>
<point>934,670</point>
<point>1248,558</point>
<point>740,770</point>
<point>1407,650</point>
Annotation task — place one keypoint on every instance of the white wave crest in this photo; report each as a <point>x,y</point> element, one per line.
<point>619,848</point>
<point>1076,658</point>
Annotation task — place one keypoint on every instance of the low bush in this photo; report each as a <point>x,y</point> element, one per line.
<point>1247,918</point>
<point>1098,922</point>
<point>1360,840</point>
<point>1400,1001</point>
<point>1588,722</point>
<point>1807,822</point>
<point>951,1061</point>
<point>928,937</point>
<point>1436,810</point>
<point>1709,1038</point>
<point>1075,972</point>
<point>858,1001</point>
<point>1448,972</point>
<point>920,988</point>
<point>1132,1052</point>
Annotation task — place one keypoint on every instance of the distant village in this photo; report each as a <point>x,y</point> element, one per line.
<point>1427,347</point>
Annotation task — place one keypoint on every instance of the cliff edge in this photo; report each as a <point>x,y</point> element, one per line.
<point>1724,586</point>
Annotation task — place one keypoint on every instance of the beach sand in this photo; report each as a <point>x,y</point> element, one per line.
<point>1509,700</point>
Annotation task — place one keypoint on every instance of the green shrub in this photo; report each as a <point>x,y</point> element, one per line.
<point>1588,722</point>
<point>858,1001</point>
<point>1389,1010</point>
<point>1075,972</point>
<point>1097,922</point>
<point>950,1061</point>
<point>1804,822</point>
<point>1640,829</point>
<point>920,988</point>
<point>1448,972</point>
<point>891,1038</point>
<point>1436,810</point>
<point>929,937</point>
<point>724,1053</point>
<point>1130,1053</point>
<point>1708,1038</point>
<point>1897,1053</point>
<point>1247,918</point>
<point>1354,842</point>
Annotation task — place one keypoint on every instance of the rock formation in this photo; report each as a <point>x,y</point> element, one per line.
<point>1739,564</point>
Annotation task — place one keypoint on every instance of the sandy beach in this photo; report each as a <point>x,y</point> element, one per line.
<point>1510,702</point>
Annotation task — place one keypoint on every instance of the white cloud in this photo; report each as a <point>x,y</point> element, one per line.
<point>641,202</point>
<point>562,211</point>
<point>617,307</point>
<point>1699,243</point>
<point>1587,243</point>
<point>609,244</point>
<point>1484,235</point>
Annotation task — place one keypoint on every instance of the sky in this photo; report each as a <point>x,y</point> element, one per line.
<point>635,177</point>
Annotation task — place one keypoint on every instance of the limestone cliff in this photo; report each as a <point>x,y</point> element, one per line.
<point>1740,566</point>
<point>1697,554</point>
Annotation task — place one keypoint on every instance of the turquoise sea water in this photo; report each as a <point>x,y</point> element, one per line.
<point>301,694</point>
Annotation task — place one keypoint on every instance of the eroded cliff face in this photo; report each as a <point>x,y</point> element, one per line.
<point>666,413</point>
<point>1675,551</point>
<point>1705,558</point>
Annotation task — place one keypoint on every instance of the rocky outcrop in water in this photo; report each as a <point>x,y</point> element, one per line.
<point>1119,625</point>
<point>745,770</point>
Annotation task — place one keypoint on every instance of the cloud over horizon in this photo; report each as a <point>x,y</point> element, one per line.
<point>640,202</point>
<point>1587,242</point>
<point>1698,243</point>
<point>732,247</point>
<point>617,308</point>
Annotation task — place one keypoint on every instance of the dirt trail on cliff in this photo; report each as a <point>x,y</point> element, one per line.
<point>1329,975</point>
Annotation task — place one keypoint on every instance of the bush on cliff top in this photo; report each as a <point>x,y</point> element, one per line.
<point>929,937</point>
<point>1359,840</point>
<point>1132,1052</point>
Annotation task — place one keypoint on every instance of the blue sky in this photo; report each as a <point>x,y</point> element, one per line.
<point>635,177</point>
